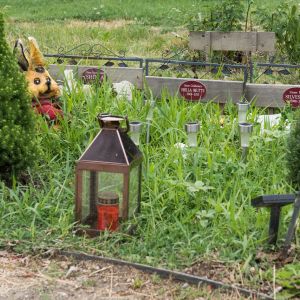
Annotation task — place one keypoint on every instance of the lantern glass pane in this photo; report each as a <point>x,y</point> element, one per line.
<point>111,182</point>
<point>85,211</point>
<point>133,190</point>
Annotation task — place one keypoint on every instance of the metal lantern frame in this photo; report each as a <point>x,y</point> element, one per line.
<point>115,136</point>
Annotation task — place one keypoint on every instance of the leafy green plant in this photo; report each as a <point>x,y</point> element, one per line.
<point>293,156</point>
<point>227,15</point>
<point>285,22</point>
<point>288,277</point>
<point>18,146</point>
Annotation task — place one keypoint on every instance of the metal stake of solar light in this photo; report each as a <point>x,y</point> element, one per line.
<point>245,133</point>
<point>192,128</point>
<point>242,111</point>
<point>135,128</point>
<point>149,119</point>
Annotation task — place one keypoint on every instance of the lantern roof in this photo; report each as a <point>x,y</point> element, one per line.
<point>112,146</point>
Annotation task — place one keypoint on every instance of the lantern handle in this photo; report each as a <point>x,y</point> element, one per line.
<point>101,117</point>
<point>125,130</point>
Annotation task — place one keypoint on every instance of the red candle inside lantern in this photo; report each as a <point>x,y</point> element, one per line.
<point>108,211</point>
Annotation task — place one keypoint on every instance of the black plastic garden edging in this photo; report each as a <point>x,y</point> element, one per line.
<point>192,279</point>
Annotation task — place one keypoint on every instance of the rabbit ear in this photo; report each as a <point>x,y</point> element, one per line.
<point>36,58</point>
<point>19,52</point>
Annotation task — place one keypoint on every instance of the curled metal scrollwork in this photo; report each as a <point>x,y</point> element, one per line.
<point>86,49</point>
<point>95,51</point>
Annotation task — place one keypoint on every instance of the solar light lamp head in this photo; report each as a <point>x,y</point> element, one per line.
<point>135,128</point>
<point>192,129</point>
<point>242,111</point>
<point>245,133</point>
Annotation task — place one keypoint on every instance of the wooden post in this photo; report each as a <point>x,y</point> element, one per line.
<point>274,224</point>
<point>207,47</point>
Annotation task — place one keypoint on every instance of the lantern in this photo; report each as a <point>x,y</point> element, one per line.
<point>192,129</point>
<point>242,111</point>
<point>108,178</point>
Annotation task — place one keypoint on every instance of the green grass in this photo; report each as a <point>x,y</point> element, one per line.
<point>191,207</point>
<point>143,29</point>
<point>195,203</point>
<point>170,12</point>
<point>145,40</point>
<point>154,12</point>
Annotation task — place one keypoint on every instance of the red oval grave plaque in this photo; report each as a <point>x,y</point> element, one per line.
<point>192,90</point>
<point>292,96</point>
<point>92,74</point>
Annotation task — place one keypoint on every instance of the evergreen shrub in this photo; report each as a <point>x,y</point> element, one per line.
<point>293,156</point>
<point>18,147</point>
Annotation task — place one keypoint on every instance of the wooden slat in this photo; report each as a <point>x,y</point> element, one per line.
<point>232,41</point>
<point>133,75</point>
<point>267,95</point>
<point>266,41</point>
<point>219,91</point>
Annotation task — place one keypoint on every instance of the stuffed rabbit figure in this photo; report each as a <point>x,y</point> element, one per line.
<point>42,88</point>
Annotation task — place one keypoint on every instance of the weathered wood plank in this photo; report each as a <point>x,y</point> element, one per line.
<point>133,75</point>
<point>219,91</point>
<point>232,41</point>
<point>267,95</point>
<point>266,41</point>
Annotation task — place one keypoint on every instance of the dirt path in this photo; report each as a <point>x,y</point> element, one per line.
<point>64,278</point>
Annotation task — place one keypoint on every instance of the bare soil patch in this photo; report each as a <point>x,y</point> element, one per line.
<point>65,278</point>
<point>113,24</point>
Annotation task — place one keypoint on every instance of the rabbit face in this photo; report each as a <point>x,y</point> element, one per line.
<point>40,83</point>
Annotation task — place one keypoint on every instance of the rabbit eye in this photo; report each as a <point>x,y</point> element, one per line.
<point>40,69</point>
<point>37,81</point>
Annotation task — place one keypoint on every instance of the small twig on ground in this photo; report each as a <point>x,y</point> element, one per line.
<point>111,282</point>
<point>241,275</point>
<point>62,281</point>
<point>98,271</point>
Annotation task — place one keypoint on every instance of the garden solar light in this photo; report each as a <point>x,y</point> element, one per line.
<point>245,133</point>
<point>135,128</point>
<point>192,129</point>
<point>242,111</point>
<point>108,178</point>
